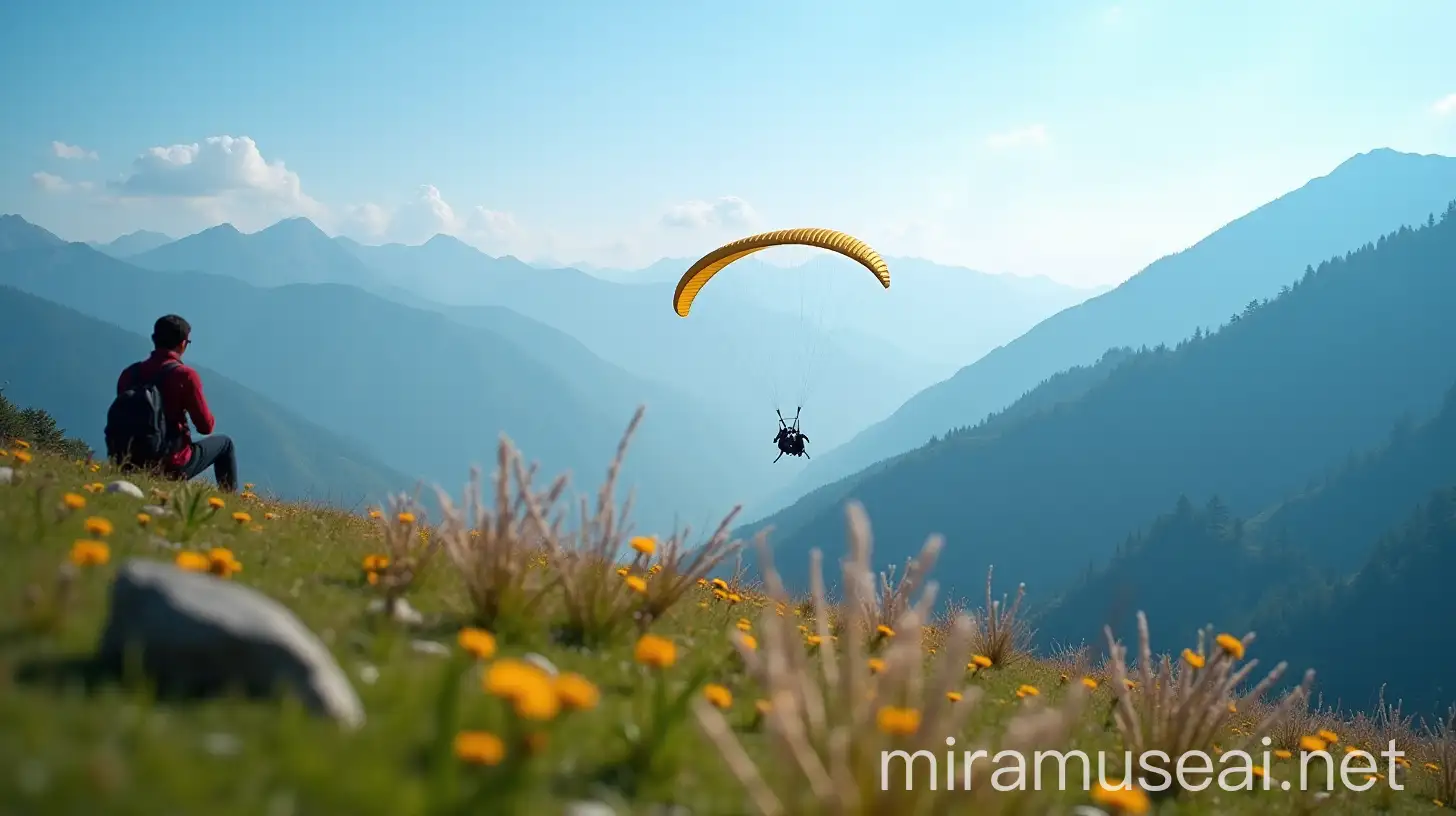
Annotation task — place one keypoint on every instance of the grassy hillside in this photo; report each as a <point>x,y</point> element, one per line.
<point>53,356</point>
<point>1251,258</point>
<point>636,726</point>
<point>1249,413</point>
<point>356,363</point>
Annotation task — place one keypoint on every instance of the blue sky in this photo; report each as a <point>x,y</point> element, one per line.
<point>1077,140</point>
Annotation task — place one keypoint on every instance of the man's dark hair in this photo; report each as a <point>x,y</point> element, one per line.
<point>170,332</point>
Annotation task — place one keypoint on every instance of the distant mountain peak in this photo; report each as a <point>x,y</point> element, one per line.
<point>297,225</point>
<point>17,233</point>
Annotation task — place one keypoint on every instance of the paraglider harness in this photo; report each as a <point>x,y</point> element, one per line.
<point>790,439</point>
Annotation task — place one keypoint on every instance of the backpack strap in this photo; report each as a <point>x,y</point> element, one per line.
<point>162,373</point>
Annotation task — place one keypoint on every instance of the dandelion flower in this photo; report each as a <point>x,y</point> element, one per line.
<point>1089,683</point>
<point>222,563</point>
<point>479,747</point>
<point>719,583</point>
<point>744,624</point>
<point>405,518</point>
<point>979,662</point>
<point>884,631</point>
<point>1128,799</point>
<point>1193,658</point>
<point>876,665</point>
<point>750,642</point>
<point>576,692</point>
<point>622,571</point>
<point>242,518</point>
<point>374,514</point>
<point>270,516</point>
<point>193,561</point>
<point>143,519</point>
<point>718,695</point>
<point>478,642</point>
<point>215,503</point>
<point>1312,744</point>
<point>73,501</point>
<point>655,651</point>
<point>98,527</point>
<point>953,696</point>
<point>1231,645</point>
<point>1027,691</point>
<point>813,640</point>
<point>537,702</point>
<point>88,553</point>
<point>897,721</point>
<point>247,485</point>
<point>636,584</point>
<point>1327,735</point>
<point>1283,754</point>
<point>375,562</point>
<point>647,545</point>
<point>21,457</point>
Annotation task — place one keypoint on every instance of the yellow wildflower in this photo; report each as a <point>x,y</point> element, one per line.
<point>479,747</point>
<point>744,624</point>
<point>87,553</point>
<point>269,516</point>
<point>876,665</point>
<point>241,517</point>
<point>953,696</point>
<point>1231,645</point>
<point>98,527</point>
<point>1327,735</point>
<point>478,642</point>
<point>657,652</point>
<point>1129,800</point>
<point>979,662</point>
<point>750,642</point>
<point>1027,691</point>
<point>1283,754</point>
<point>576,692</point>
<point>21,457</point>
<point>193,561</point>
<point>143,519</point>
<point>718,695</point>
<point>647,545</point>
<point>719,583</point>
<point>21,444</point>
<point>73,501</point>
<point>896,721</point>
<point>884,631</point>
<point>375,562</point>
<point>636,584</point>
<point>405,518</point>
<point>1089,683</point>
<point>1312,744</point>
<point>1193,658</point>
<point>215,503</point>
<point>222,563</point>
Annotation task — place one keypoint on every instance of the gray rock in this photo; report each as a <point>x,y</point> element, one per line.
<point>430,647</point>
<point>540,662</point>
<point>7,475</point>
<point>197,634</point>
<point>401,612</point>
<point>154,510</point>
<point>126,488</point>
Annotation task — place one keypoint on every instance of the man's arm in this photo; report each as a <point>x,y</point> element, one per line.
<point>124,379</point>
<point>196,403</point>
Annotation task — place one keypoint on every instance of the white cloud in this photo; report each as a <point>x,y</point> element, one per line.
<point>66,151</point>
<point>1029,136</point>
<point>221,178</point>
<point>1446,106</point>
<point>49,182</point>
<point>429,214</point>
<point>727,211</point>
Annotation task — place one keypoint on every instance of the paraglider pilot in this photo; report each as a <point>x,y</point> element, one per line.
<point>790,439</point>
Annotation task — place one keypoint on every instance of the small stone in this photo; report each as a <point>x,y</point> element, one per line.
<point>221,744</point>
<point>369,674</point>
<point>155,510</point>
<point>7,475</point>
<point>402,612</point>
<point>126,488</point>
<point>430,647</point>
<point>540,662</point>
<point>589,809</point>
<point>199,635</point>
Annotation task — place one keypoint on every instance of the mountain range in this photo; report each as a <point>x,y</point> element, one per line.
<point>1251,258</point>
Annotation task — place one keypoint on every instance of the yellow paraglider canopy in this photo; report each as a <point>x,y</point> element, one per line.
<point>711,264</point>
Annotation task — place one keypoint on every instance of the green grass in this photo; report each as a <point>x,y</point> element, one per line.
<point>115,749</point>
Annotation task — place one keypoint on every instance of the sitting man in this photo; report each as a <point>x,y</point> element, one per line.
<point>147,424</point>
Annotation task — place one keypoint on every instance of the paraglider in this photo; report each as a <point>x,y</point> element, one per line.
<point>790,439</point>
